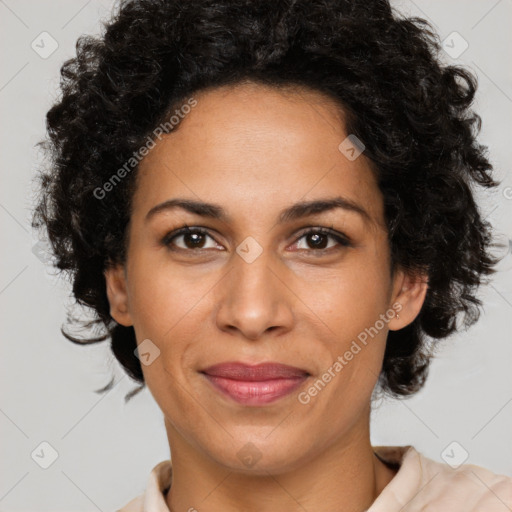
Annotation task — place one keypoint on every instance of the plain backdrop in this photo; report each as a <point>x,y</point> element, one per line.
<point>103,449</point>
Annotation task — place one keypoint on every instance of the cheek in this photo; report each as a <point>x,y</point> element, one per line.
<point>169,309</point>
<point>161,298</point>
<point>353,305</point>
<point>348,299</point>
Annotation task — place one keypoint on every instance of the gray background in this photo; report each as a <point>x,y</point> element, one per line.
<point>105,448</point>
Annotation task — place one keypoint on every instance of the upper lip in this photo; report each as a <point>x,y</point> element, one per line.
<point>259,372</point>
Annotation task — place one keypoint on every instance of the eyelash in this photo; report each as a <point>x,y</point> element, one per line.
<point>342,240</point>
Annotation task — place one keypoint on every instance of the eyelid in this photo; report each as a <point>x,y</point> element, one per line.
<point>183,230</point>
<point>325,231</point>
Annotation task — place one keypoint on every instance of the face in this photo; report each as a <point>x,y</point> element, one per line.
<point>306,289</point>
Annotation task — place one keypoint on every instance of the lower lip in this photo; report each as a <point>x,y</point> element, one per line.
<point>255,392</point>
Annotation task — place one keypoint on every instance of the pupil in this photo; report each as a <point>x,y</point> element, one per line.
<point>316,237</point>
<point>196,239</point>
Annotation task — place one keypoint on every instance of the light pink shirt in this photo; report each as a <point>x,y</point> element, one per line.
<point>420,485</point>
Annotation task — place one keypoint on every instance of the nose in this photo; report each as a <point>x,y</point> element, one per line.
<point>255,298</point>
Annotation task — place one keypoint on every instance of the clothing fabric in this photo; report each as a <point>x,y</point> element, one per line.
<point>420,485</point>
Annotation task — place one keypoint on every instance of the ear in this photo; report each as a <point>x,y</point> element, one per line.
<point>115,278</point>
<point>409,291</point>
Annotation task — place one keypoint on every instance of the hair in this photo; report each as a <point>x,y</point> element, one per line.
<point>412,113</point>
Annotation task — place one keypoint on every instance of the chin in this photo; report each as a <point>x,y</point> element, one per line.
<point>254,455</point>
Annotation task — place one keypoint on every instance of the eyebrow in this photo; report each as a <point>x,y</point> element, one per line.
<point>294,212</point>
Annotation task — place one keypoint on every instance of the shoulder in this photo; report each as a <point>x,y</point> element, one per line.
<point>135,505</point>
<point>425,484</point>
<point>467,487</point>
<point>153,498</point>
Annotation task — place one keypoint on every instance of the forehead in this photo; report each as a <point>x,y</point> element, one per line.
<point>259,149</point>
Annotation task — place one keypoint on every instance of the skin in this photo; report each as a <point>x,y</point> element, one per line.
<point>256,150</point>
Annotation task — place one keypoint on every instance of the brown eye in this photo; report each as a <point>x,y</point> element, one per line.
<point>319,240</point>
<point>188,239</point>
<point>193,240</point>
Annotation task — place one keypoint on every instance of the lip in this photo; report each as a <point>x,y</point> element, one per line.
<point>257,372</point>
<point>255,384</point>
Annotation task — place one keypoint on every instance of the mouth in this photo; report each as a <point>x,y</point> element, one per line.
<point>255,385</point>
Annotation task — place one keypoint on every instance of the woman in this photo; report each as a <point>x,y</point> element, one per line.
<point>269,206</point>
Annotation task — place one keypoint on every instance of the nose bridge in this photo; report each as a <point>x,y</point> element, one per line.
<point>253,274</point>
<point>254,299</point>
<point>252,280</point>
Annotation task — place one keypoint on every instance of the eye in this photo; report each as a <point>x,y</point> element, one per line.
<point>195,239</point>
<point>318,240</point>
<point>190,239</point>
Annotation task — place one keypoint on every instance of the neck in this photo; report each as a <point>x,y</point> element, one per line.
<point>346,476</point>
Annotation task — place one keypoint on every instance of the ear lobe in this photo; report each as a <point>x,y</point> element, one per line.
<point>408,298</point>
<point>115,278</point>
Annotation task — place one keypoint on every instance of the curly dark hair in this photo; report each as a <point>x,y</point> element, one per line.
<point>411,111</point>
